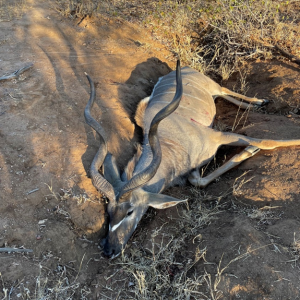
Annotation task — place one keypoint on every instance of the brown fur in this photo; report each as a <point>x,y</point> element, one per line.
<point>139,118</point>
<point>131,165</point>
<point>140,112</point>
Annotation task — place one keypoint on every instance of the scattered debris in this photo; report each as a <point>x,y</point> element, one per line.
<point>10,250</point>
<point>16,73</point>
<point>32,191</point>
<point>41,222</point>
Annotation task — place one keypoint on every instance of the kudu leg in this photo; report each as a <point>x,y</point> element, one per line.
<point>232,139</point>
<point>196,180</point>
<point>251,102</point>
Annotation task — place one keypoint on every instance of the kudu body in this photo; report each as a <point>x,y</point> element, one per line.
<point>170,153</point>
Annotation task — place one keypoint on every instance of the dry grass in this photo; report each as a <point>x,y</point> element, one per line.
<point>77,8</point>
<point>242,30</point>
<point>160,274</point>
<point>264,215</point>
<point>295,249</point>
<point>167,269</point>
<point>58,284</point>
<point>211,36</point>
<point>13,9</point>
<point>163,267</point>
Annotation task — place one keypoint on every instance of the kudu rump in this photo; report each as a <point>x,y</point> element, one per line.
<point>170,153</point>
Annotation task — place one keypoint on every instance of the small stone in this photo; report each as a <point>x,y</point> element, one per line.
<point>41,222</point>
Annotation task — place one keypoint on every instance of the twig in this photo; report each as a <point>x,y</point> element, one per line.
<point>79,267</point>
<point>288,55</point>
<point>81,20</point>
<point>16,73</point>
<point>220,29</point>
<point>32,191</point>
<point>7,249</point>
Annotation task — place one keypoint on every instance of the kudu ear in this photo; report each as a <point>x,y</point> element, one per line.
<point>161,201</point>
<point>111,171</point>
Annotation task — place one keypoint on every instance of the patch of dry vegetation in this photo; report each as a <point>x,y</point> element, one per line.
<point>12,9</point>
<point>211,36</point>
<point>57,284</point>
<point>60,283</point>
<point>78,8</point>
<point>165,267</point>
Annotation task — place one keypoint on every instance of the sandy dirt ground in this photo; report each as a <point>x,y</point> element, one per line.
<point>47,201</point>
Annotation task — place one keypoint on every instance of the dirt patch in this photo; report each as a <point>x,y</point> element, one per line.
<point>48,203</point>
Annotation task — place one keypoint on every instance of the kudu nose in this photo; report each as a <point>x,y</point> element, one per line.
<point>107,250</point>
<point>103,242</point>
<point>109,254</point>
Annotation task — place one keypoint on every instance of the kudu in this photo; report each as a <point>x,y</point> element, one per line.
<point>170,154</point>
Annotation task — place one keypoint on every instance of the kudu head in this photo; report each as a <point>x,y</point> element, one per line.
<point>127,200</point>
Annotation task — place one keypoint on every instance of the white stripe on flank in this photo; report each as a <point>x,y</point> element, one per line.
<point>187,77</point>
<point>116,226</point>
<point>199,87</point>
<point>183,94</point>
<point>188,108</point>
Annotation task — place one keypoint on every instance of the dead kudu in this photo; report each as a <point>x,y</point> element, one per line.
<point>171,153</point>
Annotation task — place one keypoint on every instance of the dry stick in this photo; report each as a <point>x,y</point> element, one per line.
<point>288,55</point>
<point>7,249</point>
<point>32,191</point>
<point>16,73</point>
<point>292,57</point>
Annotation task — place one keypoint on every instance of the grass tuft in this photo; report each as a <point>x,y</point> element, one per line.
<point>78,8</point>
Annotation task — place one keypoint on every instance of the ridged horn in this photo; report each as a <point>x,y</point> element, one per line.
<point>99,182</point>
<point>143,177</point>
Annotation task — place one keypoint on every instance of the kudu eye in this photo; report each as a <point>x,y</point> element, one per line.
<point>129,212</point>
